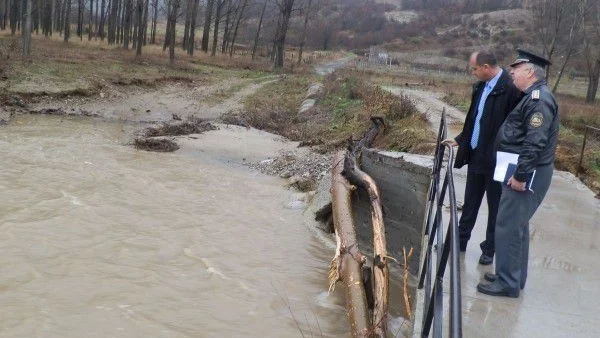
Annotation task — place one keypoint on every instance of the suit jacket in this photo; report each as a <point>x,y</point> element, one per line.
<point>499,103</point>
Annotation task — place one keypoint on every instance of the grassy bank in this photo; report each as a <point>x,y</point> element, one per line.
<point>341,113</point>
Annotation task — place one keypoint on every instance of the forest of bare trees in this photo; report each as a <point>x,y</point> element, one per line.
<point>568,33</point>
<point>132,24</point>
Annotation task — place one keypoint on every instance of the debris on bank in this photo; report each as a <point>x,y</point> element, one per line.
<point>62,112</point>
<point>301,167</point>
<point>155,144</point>
<point>192,125</point>
<point>153,138</point>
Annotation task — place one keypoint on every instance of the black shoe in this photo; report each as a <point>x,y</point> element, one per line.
<point>463,246</point>
<point>495,289</point>
<point>485,259</point>
<point>491,277</point>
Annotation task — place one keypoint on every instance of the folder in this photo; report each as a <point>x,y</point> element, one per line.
<point>506,164</point>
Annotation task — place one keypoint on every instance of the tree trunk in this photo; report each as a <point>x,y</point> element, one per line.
<point>26,32</point>
<point>207,23</point>
<point>348,261</point>
<point>145,25</point>
<point>14,16</point>
<point>356,176</point>
<point>257,36</point>
<point>80,19</point>
<point>154,18</point>
<point>237,25</point>
<point>593,78</point>
<point>141,5</point>
<point>303,38</point>
<point>285,7</point>
<point>192,42</point>
<point>112,22</point>
<point>127,22</point>
<point>174,10</point>
<point>67,21</point>
<point>102,18</point>
<point>168,28</point>
<point>226,31</point>
<point>186,25</point>
<point>220,4</point>
<point>91,20</point>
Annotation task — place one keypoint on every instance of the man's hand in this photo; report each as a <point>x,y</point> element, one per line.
<point>450,141</point>
<point>516,185</point>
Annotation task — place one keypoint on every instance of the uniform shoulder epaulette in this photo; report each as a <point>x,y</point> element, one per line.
<point>535,95</point>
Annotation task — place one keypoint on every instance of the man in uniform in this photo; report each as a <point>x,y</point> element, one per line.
<point>493,97</point>
<point>530,130</point>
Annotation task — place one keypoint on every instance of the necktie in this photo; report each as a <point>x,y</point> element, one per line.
<point>477,125</point>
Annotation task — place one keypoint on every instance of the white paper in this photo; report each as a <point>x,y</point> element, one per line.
<point>502,161</point>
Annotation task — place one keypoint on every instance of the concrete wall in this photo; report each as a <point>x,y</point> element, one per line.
<point>403,181</point>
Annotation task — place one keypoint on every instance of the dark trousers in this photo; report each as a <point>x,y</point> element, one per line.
<point>512,229</point>
<point>477,185</point>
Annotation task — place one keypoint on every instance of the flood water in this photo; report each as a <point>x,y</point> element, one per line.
<point>98,239</point>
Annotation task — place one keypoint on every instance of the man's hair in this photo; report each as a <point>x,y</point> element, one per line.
<point>486,57</point>
<point>539,72</point>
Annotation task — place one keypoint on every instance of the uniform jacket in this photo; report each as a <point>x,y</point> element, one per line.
<point>531,130</point>
<point>501,100</point>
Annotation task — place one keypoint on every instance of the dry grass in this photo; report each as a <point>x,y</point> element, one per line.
<point>341,114</point>
<point>81,67</point>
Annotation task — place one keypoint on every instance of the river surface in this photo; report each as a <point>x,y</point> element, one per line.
<point>98,239</point>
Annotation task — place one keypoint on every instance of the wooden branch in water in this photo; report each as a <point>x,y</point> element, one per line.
<point>359,178</point>
<point>348,261</point>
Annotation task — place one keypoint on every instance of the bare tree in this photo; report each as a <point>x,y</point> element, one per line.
<point>285,11</point>
<point>192,43</point>
<point>220,4</point>
<point>591,47</point>
<point>101,23</point>
<point>237,25</point>
<point>186,25</point>
<point>91,20</point>
<point>154,18</point>
<point>574,37</point>
<point>207,23</point>
<point>141,8</point>
<point>229,10</point>
<point>549,17</point>
<point>172,22</point>
<point>257,36</point>
<point>26,31</point>
<point>112,21</point>
<point>303,38</point>
<point>67,33</point>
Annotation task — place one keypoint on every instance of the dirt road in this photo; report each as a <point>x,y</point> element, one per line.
<point>431,104</point>
<point>141,104</point>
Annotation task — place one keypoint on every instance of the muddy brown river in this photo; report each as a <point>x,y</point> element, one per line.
<point>101,240</point>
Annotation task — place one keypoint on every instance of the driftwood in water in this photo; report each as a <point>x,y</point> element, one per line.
<point>348,261</point>
<point>359,178</point>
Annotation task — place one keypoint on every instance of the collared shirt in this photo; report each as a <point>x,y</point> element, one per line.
<point>489,86</point>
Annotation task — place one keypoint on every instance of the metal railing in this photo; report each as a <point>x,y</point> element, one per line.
<point>443,249</point>
<point>590,150</point>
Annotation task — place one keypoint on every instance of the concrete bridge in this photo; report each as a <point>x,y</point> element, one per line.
<point>562,295</point>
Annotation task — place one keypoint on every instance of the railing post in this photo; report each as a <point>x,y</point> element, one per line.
<point>446,250</point>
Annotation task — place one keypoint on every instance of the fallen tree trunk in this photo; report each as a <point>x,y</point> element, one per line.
<point>359,178</point>
<point>348,261</point>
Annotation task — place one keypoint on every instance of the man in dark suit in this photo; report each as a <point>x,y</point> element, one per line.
<point>493,97</point>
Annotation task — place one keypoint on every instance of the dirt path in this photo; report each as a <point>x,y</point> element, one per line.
<point>431,104</point>
<point>134,103</point>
